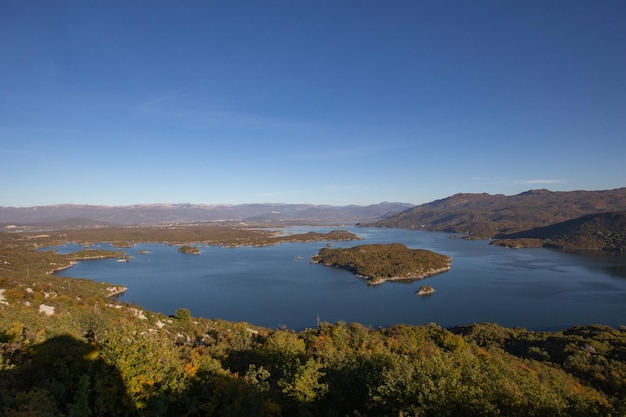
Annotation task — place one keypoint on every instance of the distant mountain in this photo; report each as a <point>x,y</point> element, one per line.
<point>332,213</point>
<point>68,215</point>
<point>605,231</point>
<point>486,215</point>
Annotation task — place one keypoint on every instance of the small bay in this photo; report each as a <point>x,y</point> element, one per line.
<point>276,286</point>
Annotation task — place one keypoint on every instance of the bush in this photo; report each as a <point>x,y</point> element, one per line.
<point>182,314</point>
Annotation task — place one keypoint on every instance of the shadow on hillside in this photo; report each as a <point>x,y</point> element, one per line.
<point>64,376</point>
<point>61,376</point>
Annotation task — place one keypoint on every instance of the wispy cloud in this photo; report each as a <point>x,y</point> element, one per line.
<point>202,112</point>
<point>150,105</point>
<point>541,181</point>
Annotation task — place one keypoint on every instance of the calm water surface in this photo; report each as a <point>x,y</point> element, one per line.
<point>277,285</point>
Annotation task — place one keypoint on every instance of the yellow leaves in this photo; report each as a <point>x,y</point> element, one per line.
<point>321,345</point>
<point>190,369</point>
<point>285,343</point>
<point>527,368</point>
<point>302,381</point>
<point>92,355</point>
<point>481,353</point>
<point>578,389</point>
<point>15,332</point>
<point>392,343</point>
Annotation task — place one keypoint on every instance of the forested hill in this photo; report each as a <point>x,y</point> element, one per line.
<point>605,231</point>
<point>486,215</point>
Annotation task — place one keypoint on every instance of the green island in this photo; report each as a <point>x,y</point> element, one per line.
<point>88,254</point>
<point>191,250</point>
<point>68,348</point>
<point>385,262</point>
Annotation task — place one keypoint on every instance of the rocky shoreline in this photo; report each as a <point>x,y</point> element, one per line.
<point>114,291</point>
<point>430,273</point>
<point>61,268</point>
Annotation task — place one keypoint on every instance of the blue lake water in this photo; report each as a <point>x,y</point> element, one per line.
<point>272,286</point>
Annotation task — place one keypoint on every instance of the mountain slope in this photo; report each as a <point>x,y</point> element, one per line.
<point>594,231</point>
<point>485,215</point>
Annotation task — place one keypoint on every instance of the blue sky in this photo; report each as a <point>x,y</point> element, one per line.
<point>325,102</point>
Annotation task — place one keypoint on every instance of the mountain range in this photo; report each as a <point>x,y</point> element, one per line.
<point>486,215</point>
<point>474,215</point>
<point>74,215</point>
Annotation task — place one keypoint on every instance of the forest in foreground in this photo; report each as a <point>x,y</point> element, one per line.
<point>68,349</point>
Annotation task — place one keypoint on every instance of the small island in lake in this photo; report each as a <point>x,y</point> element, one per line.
<point>425,290</point>
<point>385,262</point>
<point>192,250</point>
<point>89,254</point>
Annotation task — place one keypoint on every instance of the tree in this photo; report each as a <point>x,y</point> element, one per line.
<point>182,314</point>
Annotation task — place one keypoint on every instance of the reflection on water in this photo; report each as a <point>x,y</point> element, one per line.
<point>616,270</point>
<point>608,262</point>
<point>276,285</point>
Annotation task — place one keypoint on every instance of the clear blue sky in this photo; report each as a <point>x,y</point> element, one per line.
<point>326,102</point>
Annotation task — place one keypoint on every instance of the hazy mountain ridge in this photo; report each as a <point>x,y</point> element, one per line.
<point>486,215</point>
<point>143,214</point>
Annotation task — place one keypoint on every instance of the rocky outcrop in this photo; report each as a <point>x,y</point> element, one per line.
<point>425,290</point>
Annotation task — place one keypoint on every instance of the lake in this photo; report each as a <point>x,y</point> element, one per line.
<point>274,286</point>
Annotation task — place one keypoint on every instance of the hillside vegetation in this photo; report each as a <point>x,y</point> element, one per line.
<point>182,235</point>
<point>485,215</point>
<point>605,231</point>
<point>68,349</point>
<point>381,262</point>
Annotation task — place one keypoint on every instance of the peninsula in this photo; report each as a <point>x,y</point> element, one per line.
<point>385,262</point>
<point>227,236</point>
